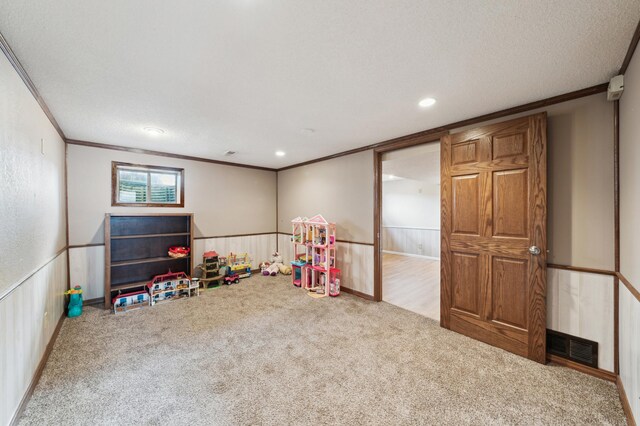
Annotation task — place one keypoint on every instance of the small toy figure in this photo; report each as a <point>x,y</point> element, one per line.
<point>74,308</point>
<point>263,268</point>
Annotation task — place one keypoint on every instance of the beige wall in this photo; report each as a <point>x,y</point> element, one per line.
<point>225,200</point>
<point>630,233</point>
<point>33,230</point>
<point>32,207</point>
<point>340,189</point>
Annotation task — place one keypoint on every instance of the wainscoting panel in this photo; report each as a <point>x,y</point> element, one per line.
<point>630,348</point>
<point>285,247</point>
<point>28,318</point>
<point>259,247</point>
<point>354,260</point>
<point>420,241</point>
<point>86,267</point>
<point>581,304</point>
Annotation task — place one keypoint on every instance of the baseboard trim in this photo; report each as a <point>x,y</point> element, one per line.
<point>626,407</point>
<point>357,293</point>
<point>38,373</point>
<point>399,253</point>
<point>96,301</point>
<point>596,372</point>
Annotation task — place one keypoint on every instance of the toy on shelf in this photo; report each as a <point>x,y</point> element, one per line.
<point>239,263</point>
<point>314,252</point>
<point>169,286</point>
<point>178,252</point>
<point>129,301</point>
<point>74,308</point>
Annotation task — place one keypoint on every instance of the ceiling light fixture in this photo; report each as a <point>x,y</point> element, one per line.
<point>280,153</point>
<point>427,102</point>
<point>154,130</point>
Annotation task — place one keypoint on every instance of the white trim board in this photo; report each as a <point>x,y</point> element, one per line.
<point>410,255</point>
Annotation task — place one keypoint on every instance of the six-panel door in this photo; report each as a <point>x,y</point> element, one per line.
<point>493,211</point>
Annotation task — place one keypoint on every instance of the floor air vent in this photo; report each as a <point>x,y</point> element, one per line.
<point>574,348</point>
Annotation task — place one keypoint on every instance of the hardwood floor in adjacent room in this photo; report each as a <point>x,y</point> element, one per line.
<point>412,283</point>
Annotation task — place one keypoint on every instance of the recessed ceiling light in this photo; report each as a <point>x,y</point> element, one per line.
<point>427,102</point>
<point>280,153</point>
<point>154,130</point>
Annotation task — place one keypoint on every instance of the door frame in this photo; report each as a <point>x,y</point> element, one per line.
<point>408,142</point>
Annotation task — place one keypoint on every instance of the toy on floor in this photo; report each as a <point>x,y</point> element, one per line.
<point>232,279</point>
<point>168,286</point>
<point>211,271</point>
<point>239,263</point>
<point>74,308</point>
<point>129,301</point>
<point>263,268</point>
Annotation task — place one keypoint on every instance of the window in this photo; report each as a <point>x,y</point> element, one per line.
<point>146,186</point>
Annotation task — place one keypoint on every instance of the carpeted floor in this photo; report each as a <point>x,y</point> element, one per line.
<point>263,352</point>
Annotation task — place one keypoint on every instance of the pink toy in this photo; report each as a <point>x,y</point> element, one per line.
<point>314,252</point>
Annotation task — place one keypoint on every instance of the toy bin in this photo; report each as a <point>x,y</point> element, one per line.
<point>334,282</point>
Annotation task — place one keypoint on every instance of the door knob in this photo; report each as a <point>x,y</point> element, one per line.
<point>535,250</point>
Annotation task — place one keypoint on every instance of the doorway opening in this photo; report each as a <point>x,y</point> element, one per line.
<point>410,228</point>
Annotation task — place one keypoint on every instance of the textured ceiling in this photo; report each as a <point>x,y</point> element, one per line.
<point>249,75</point>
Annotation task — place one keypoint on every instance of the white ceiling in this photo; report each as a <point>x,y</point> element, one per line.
<point>421,163</point>
<point>249,75</point>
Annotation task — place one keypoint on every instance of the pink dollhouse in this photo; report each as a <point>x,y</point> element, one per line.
<point>314,251</point>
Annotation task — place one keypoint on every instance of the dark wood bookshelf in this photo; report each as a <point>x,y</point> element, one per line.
<point>136,249</point>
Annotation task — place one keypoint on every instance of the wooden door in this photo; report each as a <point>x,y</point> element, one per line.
<point>494,212</point>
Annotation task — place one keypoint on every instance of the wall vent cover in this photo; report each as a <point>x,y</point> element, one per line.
<point>574,348</point>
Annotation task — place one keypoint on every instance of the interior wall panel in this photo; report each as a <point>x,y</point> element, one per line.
<point>420,242</point>
<point>581,304</point>
<point>225,200</point>
<point>630,348</point>
<point>340,189</point>
<point>28,318</point>
<point>630,233</point>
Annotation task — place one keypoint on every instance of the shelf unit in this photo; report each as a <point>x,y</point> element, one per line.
<point>136,247</point>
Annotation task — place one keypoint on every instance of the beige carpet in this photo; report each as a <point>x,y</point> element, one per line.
<point>262,352</point>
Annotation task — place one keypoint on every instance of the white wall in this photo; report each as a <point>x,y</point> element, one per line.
<point>630,233</point>
<point>581,304</point>
<point>411,216</point>
<point>409,203</point>
<point>33,244</point>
